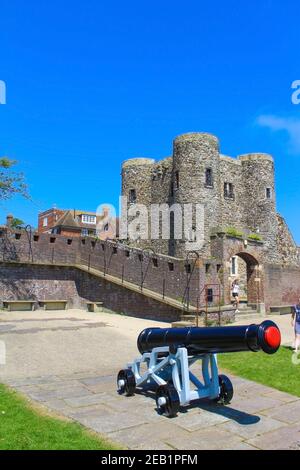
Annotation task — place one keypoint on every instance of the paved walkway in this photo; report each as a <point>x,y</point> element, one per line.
<point>68,362</point>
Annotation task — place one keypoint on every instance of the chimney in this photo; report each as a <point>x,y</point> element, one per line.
<point>9,219</point>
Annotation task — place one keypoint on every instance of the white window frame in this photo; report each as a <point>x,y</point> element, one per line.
<point>84,232</point>
<point>45,221</point>
<point>88,219</point>
<point>234,261</point>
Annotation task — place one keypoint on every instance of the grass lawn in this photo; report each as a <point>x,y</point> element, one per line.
<point>275,370</point>
<point>25,427</point>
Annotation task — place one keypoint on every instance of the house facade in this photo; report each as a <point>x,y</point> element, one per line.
<point>78,223</point>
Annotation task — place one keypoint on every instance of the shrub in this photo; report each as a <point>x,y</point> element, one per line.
<point>255,236</point>
<point>233,232</point>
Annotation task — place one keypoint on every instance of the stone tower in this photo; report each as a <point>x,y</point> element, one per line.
<point>136,186</point>
<point>258,203</point>
<point>196,179</point>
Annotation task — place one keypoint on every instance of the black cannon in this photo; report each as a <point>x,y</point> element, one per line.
<point>265,336</point>
<point>169,353</point>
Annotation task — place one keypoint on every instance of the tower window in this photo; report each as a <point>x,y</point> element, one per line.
<point>209,178</point>
<point>176,179</point>
<point>188,268</point>
<point>171,266</point>
<point>171,190</point>
<point>269,193</point>
<point>210,295</point>
<point>132,196</point>
<point>228,191</point>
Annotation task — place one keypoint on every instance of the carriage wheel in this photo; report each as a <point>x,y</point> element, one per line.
<point>126,382</point>
<point>226,390</point>
<point>167,400</point>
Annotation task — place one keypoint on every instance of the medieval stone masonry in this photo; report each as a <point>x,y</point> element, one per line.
<point>238,194</point>
<point>162,278</point>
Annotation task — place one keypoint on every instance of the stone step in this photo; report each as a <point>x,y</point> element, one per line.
<point>247,316</point>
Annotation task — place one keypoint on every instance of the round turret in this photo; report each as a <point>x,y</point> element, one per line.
<point>196,176</point>
<point>259,196</point>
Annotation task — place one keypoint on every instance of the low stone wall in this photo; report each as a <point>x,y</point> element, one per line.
<point>156,272</point>
<point>282,285</point>
<point>34,282</point>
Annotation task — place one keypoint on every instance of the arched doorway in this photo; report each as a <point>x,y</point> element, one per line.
<point>246,269</point>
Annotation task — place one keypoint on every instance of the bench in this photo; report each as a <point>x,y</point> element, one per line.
<point>94,306</point>
<point>281,309</point>
<point>19,305</point>
<point>53,304</point>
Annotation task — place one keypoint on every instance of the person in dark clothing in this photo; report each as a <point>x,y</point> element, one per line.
<point>296,324</point>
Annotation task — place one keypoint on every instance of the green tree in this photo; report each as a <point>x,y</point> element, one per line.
<point>11,182</point>
<point>17,223</point>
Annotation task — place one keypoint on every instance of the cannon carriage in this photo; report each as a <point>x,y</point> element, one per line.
<point>169,353</point>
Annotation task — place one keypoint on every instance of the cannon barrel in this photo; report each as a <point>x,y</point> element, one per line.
<point>201,340</point>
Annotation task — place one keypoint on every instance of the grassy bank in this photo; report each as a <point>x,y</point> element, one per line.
<point>25,427</point>
<point>275,370</point>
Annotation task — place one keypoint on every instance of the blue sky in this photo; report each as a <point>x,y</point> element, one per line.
<point>92,83</point>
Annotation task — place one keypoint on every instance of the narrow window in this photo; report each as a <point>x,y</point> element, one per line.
<point>93,243</point>
<point>52,240</point>
<point>171,189</point>
<point>17,236</point>
<point>188,268</point>
<point>210,295</point>
<point>103,246</point>
<point>228,191</point>
<point>140,256</point>
<point>132,196</point>
<point>171,266</point>
<point>219,266</point>
<point>209,178</point>
<point>127,253</point>
<point>155,262</point>
<point>207,268</point>
<point>45,221</point>
<point>69,241</point>
<point>269,193</point>
<point>115,250</point>
<point>176,179</point>
<point>83,241</point>
<point>36,238</point>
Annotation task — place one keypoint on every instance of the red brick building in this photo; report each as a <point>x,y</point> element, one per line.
<point>78,223</point>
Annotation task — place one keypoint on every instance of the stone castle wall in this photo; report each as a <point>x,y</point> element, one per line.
<point>166,276</point>
<point>34,282</point>
<point>180,179</point>
<point>47,268</point>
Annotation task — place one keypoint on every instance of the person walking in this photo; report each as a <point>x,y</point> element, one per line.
<point>235,290</point>
<point>296,324</point>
